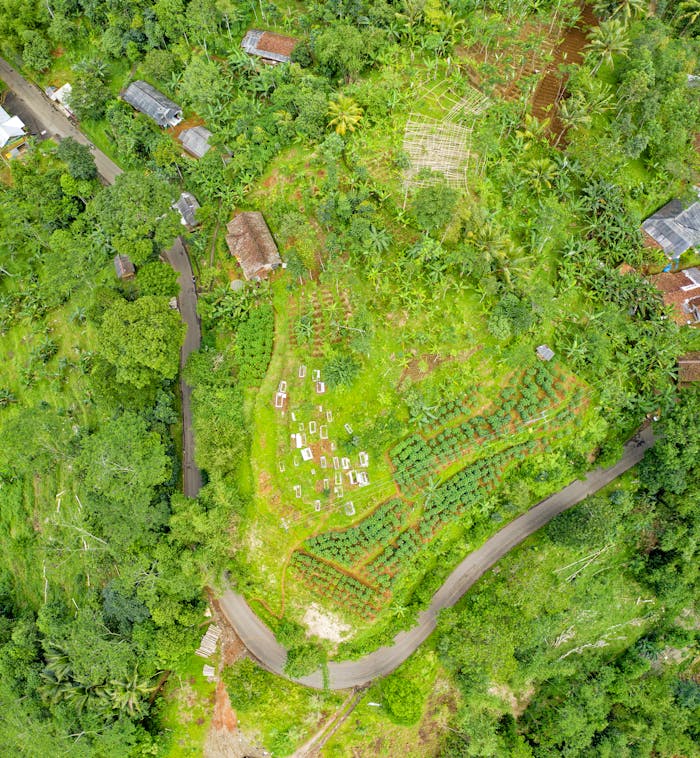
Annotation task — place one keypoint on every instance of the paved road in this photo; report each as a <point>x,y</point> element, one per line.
<point>262,644</point>
<point>53,120</point>
<point>187,303</point>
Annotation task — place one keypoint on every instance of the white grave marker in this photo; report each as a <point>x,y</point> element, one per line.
<point>297,490</point>
<point>320,388</point>
<point>283,387</point>
<point>364,460</point>
<point>315,375</point>
<point>329,415</point>
<point>307,454</point>
<point>323,462</point>
<point>317,505</point>
<point>348,428</point>
<point>362,478</point>
<point>349,508</point>
<point>336,462</point>
<point>345,463</point>
<point>324,432</point>
<point>282,467</point>
<point>302,371</point>
<point>313,426</point>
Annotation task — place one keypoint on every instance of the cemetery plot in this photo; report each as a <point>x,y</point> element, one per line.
<point>382,546</point>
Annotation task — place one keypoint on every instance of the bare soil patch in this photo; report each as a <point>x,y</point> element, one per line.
<point>325,625</point>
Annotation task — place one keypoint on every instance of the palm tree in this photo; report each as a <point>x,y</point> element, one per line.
<point>127,694</point>
<point>345,114</point>
<point>608,40</point>
<point>689,11</point>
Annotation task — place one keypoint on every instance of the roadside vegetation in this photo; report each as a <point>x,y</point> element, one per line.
<point>402,335</point>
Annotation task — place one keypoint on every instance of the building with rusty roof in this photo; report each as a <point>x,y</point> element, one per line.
<point>681,292</point>
<point>689,368</point>
<point>271,47</point>
<point>251,243</point>
<point>124,267</point>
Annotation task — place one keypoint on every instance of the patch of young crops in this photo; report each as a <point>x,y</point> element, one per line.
<point>254,338</point>
<point>350,545</point>
<point>334,584</point>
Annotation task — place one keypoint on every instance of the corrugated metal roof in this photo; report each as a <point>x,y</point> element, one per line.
<point>196,140</point>
<point>149,100</point>
<point>186,205</point>
<point>674,228</point>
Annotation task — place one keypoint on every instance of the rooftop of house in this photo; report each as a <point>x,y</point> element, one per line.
<point>148,100</point>
<point>675,227</point>
<point>124,267</point>
<point>186,205</point>
<point>268,45</point>
<point>250,241</point>
<point>195,140</point>
<point>681,292</point>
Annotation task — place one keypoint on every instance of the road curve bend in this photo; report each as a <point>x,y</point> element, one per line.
<point>261,642</point>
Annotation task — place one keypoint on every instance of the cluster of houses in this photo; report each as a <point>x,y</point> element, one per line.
<point>248,236</point>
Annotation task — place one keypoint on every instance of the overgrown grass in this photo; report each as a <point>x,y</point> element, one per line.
<point>187,711</point>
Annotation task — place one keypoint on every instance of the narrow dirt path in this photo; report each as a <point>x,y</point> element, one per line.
<point>262,644</point>
<point>187,303</point>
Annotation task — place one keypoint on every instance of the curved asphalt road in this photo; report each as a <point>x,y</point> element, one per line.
<point>52,119</point>
<point>262,644</point>
<point>255,635</point>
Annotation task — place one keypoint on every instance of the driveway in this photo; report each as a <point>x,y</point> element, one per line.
<point>262,644</point>
<point>47,115</point>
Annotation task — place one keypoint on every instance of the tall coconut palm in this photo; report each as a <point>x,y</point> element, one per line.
<point>344,114</point>
<point>608,40</point>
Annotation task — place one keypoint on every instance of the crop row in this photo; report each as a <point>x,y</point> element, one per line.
<point>343,589</point>
<point>394,556</point>
<point>466,487</point>
<point>350,545</point>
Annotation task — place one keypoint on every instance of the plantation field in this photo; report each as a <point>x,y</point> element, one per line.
<point>356,491</point>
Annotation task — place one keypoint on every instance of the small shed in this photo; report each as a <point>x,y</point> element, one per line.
<point>545,353</point>
<point>186,205</point>
<point>148,100</point>
<point>124,267</point>
<point>195,140</point>
<point>272,48</point>
<point>674,228</point>
<point>689,369</point>
<point>61,97</point>
<point>251,243</point>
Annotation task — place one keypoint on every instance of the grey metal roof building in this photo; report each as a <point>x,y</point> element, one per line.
<point>545,353</point>
<point>675,228</point>
<point>186,205</point>
<point>148,100</point>
<point>195,140</point>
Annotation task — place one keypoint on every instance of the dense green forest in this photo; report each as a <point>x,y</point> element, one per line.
<point>420,299</point>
